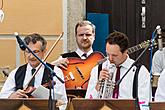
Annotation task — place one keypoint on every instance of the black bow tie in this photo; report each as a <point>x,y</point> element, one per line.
<point>84,55</point>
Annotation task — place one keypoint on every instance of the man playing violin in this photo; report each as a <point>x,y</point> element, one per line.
<point>19,77</point>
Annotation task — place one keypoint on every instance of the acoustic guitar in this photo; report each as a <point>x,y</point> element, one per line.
<point>78,72</point>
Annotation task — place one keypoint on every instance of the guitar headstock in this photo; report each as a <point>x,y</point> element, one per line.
<point>148,43</point>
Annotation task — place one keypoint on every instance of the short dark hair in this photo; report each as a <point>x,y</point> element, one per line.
<point>118,38</point>
<point>34,38</point>
<point>84,23</point>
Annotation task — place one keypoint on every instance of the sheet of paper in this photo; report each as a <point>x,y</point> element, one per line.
<point>42,92</point>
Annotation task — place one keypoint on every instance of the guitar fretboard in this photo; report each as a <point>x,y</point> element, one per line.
<point>134,48</point>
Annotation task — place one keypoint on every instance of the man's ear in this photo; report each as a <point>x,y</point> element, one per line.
<point>125,52</point>
<point>45,51</point>
<point>94,36</point>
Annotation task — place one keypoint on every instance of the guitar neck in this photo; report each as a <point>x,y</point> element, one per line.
<point>134,48</point>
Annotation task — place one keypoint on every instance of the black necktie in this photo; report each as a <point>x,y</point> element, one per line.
<point>32,81</point>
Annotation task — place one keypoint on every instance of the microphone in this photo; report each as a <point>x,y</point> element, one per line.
<point>20,42</point>
<point>159,33</point>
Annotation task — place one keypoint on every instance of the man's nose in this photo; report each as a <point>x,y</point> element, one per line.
<point>30,55</point>
<point>84,36</point>
<point>110,58</point>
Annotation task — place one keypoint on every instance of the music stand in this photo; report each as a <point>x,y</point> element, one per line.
<point>77,92</point>
<point>99,104</point>
<point>38,104</point>
<point>32,104</point>
<point>157,105</point>
<point>10,104</point>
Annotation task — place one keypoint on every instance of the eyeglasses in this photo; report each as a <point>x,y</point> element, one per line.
<point>34,51</point>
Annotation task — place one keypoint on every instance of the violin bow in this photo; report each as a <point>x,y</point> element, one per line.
<point>51,49</point>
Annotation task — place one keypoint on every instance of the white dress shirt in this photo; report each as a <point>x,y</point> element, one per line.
<point>126,86</point>
<point>158,61</point>
<point>80,53</point>
<point>160,91</point>
<point>59,88</point>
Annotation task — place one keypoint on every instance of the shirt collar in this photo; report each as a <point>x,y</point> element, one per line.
<point>30,67</point>
<point>127,63</point>
<point>80,52</point>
